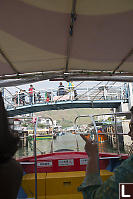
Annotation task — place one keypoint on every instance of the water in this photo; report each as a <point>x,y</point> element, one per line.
<point>67,141</point>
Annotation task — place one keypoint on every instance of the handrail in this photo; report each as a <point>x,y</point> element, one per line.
<point>117,114</point>
<point>84,133</point>
<point>90,94</point>
<point>35,157</point>
<point>95,134</point>
<point>100,158</point>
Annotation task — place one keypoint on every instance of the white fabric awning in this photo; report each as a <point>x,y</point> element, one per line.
<point>64,36</point>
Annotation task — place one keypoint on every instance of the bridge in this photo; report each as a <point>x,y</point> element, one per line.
<point>78,97</point>
<point>64,105</point>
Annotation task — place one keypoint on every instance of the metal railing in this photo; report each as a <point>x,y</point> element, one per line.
<point>76,128</point>
<point>24,98</point>
<point>116,119</point>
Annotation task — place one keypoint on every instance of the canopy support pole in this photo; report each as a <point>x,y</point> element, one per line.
<point>7,60</point>
<point>123,60</point>
<point>73,19</point>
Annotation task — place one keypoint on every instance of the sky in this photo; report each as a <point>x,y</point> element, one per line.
<point>46,84</point>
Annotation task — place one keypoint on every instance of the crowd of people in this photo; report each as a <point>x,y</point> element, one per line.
<point>34,97</point>
<point>20,98</point>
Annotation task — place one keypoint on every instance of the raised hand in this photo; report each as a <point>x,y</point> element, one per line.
<point>91,149</point>
<point>90,146</point>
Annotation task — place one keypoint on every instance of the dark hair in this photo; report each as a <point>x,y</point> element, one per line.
<point>8,142</point>
<point>131,109</point>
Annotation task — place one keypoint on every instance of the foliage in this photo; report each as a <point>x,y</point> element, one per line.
<point>41,126</point>
<point>65,118</point>
<point>24,124</point>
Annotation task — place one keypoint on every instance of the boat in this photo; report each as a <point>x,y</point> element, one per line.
<point>46,136</point>
<point>101,135</point>
<point>59,173</point>
<point>40,135</point>
<point>45,133</point>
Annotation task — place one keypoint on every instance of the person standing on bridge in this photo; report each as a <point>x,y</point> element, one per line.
<point>15,98</point>
<point>71,90</point>
<point>39,97</point>
<point>22,97</point>
<point>31,94</point>
<point>61,90</point>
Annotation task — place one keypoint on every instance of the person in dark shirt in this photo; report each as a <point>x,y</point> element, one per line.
<point>39,97</point>
<point>22,97</point>
<point>61,90</point>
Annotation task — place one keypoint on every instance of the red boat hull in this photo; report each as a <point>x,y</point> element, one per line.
<point>69,161</point>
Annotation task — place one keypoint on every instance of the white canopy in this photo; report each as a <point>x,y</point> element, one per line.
<point>58,37</point>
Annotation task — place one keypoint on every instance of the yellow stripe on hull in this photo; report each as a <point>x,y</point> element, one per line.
<point>60,185</point>
<point>42,138</point>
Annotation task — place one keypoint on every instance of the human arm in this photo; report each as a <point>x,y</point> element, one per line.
<point>92,177</point>
<point>92,152</point>
<point>110,188</point>
<point>92,188</point>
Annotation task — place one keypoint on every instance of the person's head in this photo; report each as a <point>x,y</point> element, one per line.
<point>31,86</point>
<point>60,83</point>
<point>131,124</point>
<point>8,142</point>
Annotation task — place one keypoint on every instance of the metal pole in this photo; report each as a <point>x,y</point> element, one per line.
<point>95,134</point>
<point>77,143</point>
<point>117,138</point>
<point>51,150</point>
<point>18,100</point>
<point>33,101</point>
<point>52,95</point>
<point>35,156</point>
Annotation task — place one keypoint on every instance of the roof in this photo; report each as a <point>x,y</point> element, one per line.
<point>58,38</point>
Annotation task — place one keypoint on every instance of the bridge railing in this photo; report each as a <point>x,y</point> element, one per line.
<point>23,98</point>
